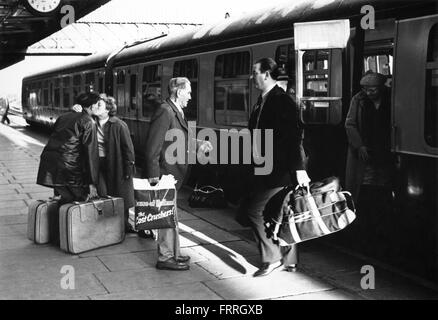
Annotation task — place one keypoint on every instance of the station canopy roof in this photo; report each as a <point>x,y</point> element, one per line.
<point>19,28</point>
<point>97,28</point>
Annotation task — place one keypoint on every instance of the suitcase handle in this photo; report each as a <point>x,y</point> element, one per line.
<point>99,209</point>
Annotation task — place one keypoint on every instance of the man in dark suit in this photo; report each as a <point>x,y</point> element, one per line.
<point>170,116</point>
<point>274,110</point>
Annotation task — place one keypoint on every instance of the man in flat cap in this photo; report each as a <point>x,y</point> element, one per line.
<point>368,126</point>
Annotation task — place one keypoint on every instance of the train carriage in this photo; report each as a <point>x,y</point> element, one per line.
<point>402,44</point>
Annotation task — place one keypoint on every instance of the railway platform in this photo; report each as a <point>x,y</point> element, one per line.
<point>224,256</point>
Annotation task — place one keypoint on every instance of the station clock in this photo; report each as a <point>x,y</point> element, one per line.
<point>42,7</point>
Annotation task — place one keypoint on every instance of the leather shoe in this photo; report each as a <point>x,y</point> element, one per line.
<point>291,268</point>
<point>267,268</point>
<point>172,264</point>
<point>183,258</point>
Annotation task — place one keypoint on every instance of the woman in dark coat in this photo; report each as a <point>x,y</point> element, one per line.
<point>116,154</point>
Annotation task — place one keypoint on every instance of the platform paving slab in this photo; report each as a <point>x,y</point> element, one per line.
<point>13,219</point>
<point>32,254</point>
<point>333,294</point>
<point>49,288</point>
<point>229,249</point>
<point>142,259</point>
<point>13,197</point>
<point>130,244</point>
<point>190,291</point>
<point>149,278</point>
<point>52,268</point>
<point>40,195</point>
<point>277,284</point>
<point>13,229</point>
<point>229,267</point>
<point>399,292</point>
<point>16,242</point>
<point>14,211</point>
<point>12,204</point>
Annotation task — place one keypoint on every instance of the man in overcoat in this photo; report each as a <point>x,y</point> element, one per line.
<point>275,111</point>
<point>69,162</point>
<point>169,116</point>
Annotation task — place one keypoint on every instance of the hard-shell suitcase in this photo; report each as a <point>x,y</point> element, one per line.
<point>90,225</point>
<point>43,221</point>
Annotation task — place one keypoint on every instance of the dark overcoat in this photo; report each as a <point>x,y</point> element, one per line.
<point>165,118</point>
<point>70,157</point>
<point>279,113</point>
<point>120,160</point>
<point>354,126</point>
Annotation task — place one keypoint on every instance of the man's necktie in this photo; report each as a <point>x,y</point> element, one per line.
<point>258,108</point>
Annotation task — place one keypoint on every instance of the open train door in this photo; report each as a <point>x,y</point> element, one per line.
<point>415,111</point>
<point>320,47</point>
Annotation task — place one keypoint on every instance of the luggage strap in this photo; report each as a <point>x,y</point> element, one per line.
<point>293,227</point>
<point>315,212</point>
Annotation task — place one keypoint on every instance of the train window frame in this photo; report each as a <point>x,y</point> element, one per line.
<point>57,93</point>
<point>45,95</point>
<point>191,111</point>
<point>287,63</point>
<point>312,73</point>
<point>232,81</point>
<point>90,81</point>
<point>430,133</point>
<point>66,90</point>
<point>151,77</point>
<point>120,90</point>
<point>76,86</point>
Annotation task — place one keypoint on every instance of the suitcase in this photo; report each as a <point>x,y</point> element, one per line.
<point>90,225</point>
<point>43,221</point>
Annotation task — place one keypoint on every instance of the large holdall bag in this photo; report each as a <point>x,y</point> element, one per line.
<point>43,221</point>
<point>312,213</point>
<point>90,225</point>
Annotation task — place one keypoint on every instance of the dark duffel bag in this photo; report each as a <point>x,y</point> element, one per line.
<point>309,213</point>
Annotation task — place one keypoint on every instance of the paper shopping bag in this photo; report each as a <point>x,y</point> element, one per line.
<point>155,206</point>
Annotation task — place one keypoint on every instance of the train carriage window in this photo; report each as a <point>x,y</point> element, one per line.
<point>316,73</point>
<point>77,82</point>
<point>66,92</point>
<point>100,87</point>
<point>120,90</point>
<point>57,93</point>
<point>133,92</point>
<point>285,58</point>
<point>38,93</point>
<point>231,88</point>
<point>151,89</point>
<point>90,82</point>
<point>431,107</point>
<point>45,92</point>
<point>189,69</point>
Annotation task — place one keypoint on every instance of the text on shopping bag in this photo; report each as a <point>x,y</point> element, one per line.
<point>155,209</point>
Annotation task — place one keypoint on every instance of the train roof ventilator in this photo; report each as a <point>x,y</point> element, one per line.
<point>319,47</point>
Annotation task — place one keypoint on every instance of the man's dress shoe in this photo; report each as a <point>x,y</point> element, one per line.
<point>267,268</point>
<point>172,264</point>
<point>183,258</point>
